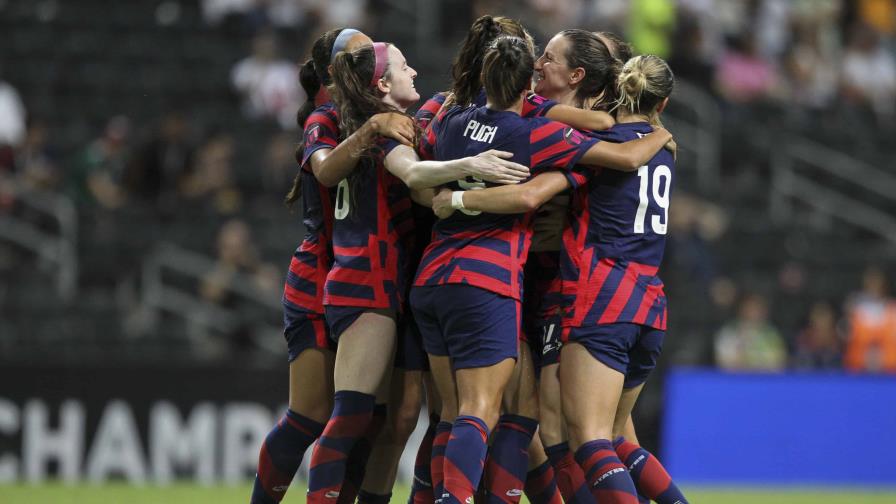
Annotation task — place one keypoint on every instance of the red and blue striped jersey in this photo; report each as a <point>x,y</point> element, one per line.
<point>482,249</point>
<point>304,288</point>
<point>614,243</point>
<point>372,233</point>
<point>533,106</point>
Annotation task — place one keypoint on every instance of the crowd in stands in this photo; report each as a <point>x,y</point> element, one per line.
<point>810,58</point>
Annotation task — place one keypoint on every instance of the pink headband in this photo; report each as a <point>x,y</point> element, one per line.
<point>381,58</point>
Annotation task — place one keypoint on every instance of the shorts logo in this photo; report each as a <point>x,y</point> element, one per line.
<point>312,134</point>
<point>281,488</point>
<point>331,495</point>
<point>514,492</point>
<point>572,136</point>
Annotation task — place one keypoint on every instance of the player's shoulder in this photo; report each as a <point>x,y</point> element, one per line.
<point>327,110</point>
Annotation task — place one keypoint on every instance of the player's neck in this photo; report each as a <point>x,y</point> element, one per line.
<point>624,116</point>
<point>516,108</point>
<point>389,101</point>
<point>569,98</point>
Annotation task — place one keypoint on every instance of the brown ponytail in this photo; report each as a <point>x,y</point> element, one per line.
<point>507,70</point>
<point>312,75</point>
<point>466,71</point>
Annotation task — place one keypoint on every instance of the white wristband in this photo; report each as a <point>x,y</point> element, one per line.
<point>457,200</point>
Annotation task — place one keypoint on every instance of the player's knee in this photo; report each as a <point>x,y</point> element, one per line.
<point>405,420</point>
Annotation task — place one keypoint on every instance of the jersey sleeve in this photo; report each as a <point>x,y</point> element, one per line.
<point>321,132</point>
<point>555,145</point>
<point>386,144</point>
<point>428,110</point>
<point>536,106</point>
<point>427,145</point>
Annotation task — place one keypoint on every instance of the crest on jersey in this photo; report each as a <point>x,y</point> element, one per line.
<point>572,136</point>
<point>312,134</point>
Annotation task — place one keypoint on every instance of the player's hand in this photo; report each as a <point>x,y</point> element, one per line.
<point>441,203</point>
<point>495,166</point>
<point>396,126</point>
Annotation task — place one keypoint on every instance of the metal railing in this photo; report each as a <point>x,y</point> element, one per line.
<point>700,133</point>
<point>58,248</point>
<point>158,295</point>
<point>790,182</point>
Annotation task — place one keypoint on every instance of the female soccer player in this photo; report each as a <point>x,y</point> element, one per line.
<point>467,291</point>
<point>310,350</point>
<point>466,73</point>
<point>611,253</point>
<point>364,288</point>
<point>557,80</point>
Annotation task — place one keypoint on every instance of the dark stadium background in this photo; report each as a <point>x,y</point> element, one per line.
<point>143,239</point>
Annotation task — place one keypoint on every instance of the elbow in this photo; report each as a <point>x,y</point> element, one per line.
<point>414,182</point>
<point>631,164</point>
<point>530,201</point>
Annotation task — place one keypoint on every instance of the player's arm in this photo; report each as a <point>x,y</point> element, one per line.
<point>493,166</point>
<point>509,199</point>
<point>627,156</point>
<point>330,166</point>
<point>583,119</point>
<point>423,196</point>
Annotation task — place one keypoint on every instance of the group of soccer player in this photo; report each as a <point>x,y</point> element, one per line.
<point>497,253</point>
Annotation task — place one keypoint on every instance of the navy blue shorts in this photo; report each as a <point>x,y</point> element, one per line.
<point>631,349</point>
<point>409,353</point>
<point>473,326</point>
<point>339,318</point>
<point>305,330</point>
<point>544,342</point>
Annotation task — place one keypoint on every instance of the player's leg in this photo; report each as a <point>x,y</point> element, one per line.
<point>649,475</point>
<point>591,381</point>
<point>404,411</point>
<point>541,485</point>
<point>360,454</point>
<point>479,393</point>
<point>505,468</point>
<point>365,354</point>
<point>310,405</point>
<point>552,426</point>
<point>443,378</point>
<point>441,390</point>
<point>422,485</point>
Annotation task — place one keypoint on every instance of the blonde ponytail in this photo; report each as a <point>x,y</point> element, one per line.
<point>643,83</point>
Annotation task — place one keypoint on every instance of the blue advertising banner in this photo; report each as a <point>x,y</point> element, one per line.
<point>780,428</point>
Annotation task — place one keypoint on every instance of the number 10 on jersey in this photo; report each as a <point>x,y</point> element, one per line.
<point>662,180</point>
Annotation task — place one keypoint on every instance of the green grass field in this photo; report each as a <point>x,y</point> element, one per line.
<point>191,494</point>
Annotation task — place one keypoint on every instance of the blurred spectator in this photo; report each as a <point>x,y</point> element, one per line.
<point>742,75</point>
<point>268,83</point>
<point>212,180</point>
<point>750,341</point>
<point>279,164</point>
<point>37,162</point>
<point>163,162</point>
<point>812,74</point>
<point>101,167</point>
<point>869,73</point>
<point>12,116</point>
<point>871,314</point>
<point>238,261</point>
<point>818,345</point>
<point>650,26</point>
<point>879,14</point>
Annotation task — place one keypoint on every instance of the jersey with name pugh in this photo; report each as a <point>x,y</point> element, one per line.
<point>482,249</point>
<point>304,288</point>
<point>372,230</point>
<point>533,106</point>
<point>615,240</point>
